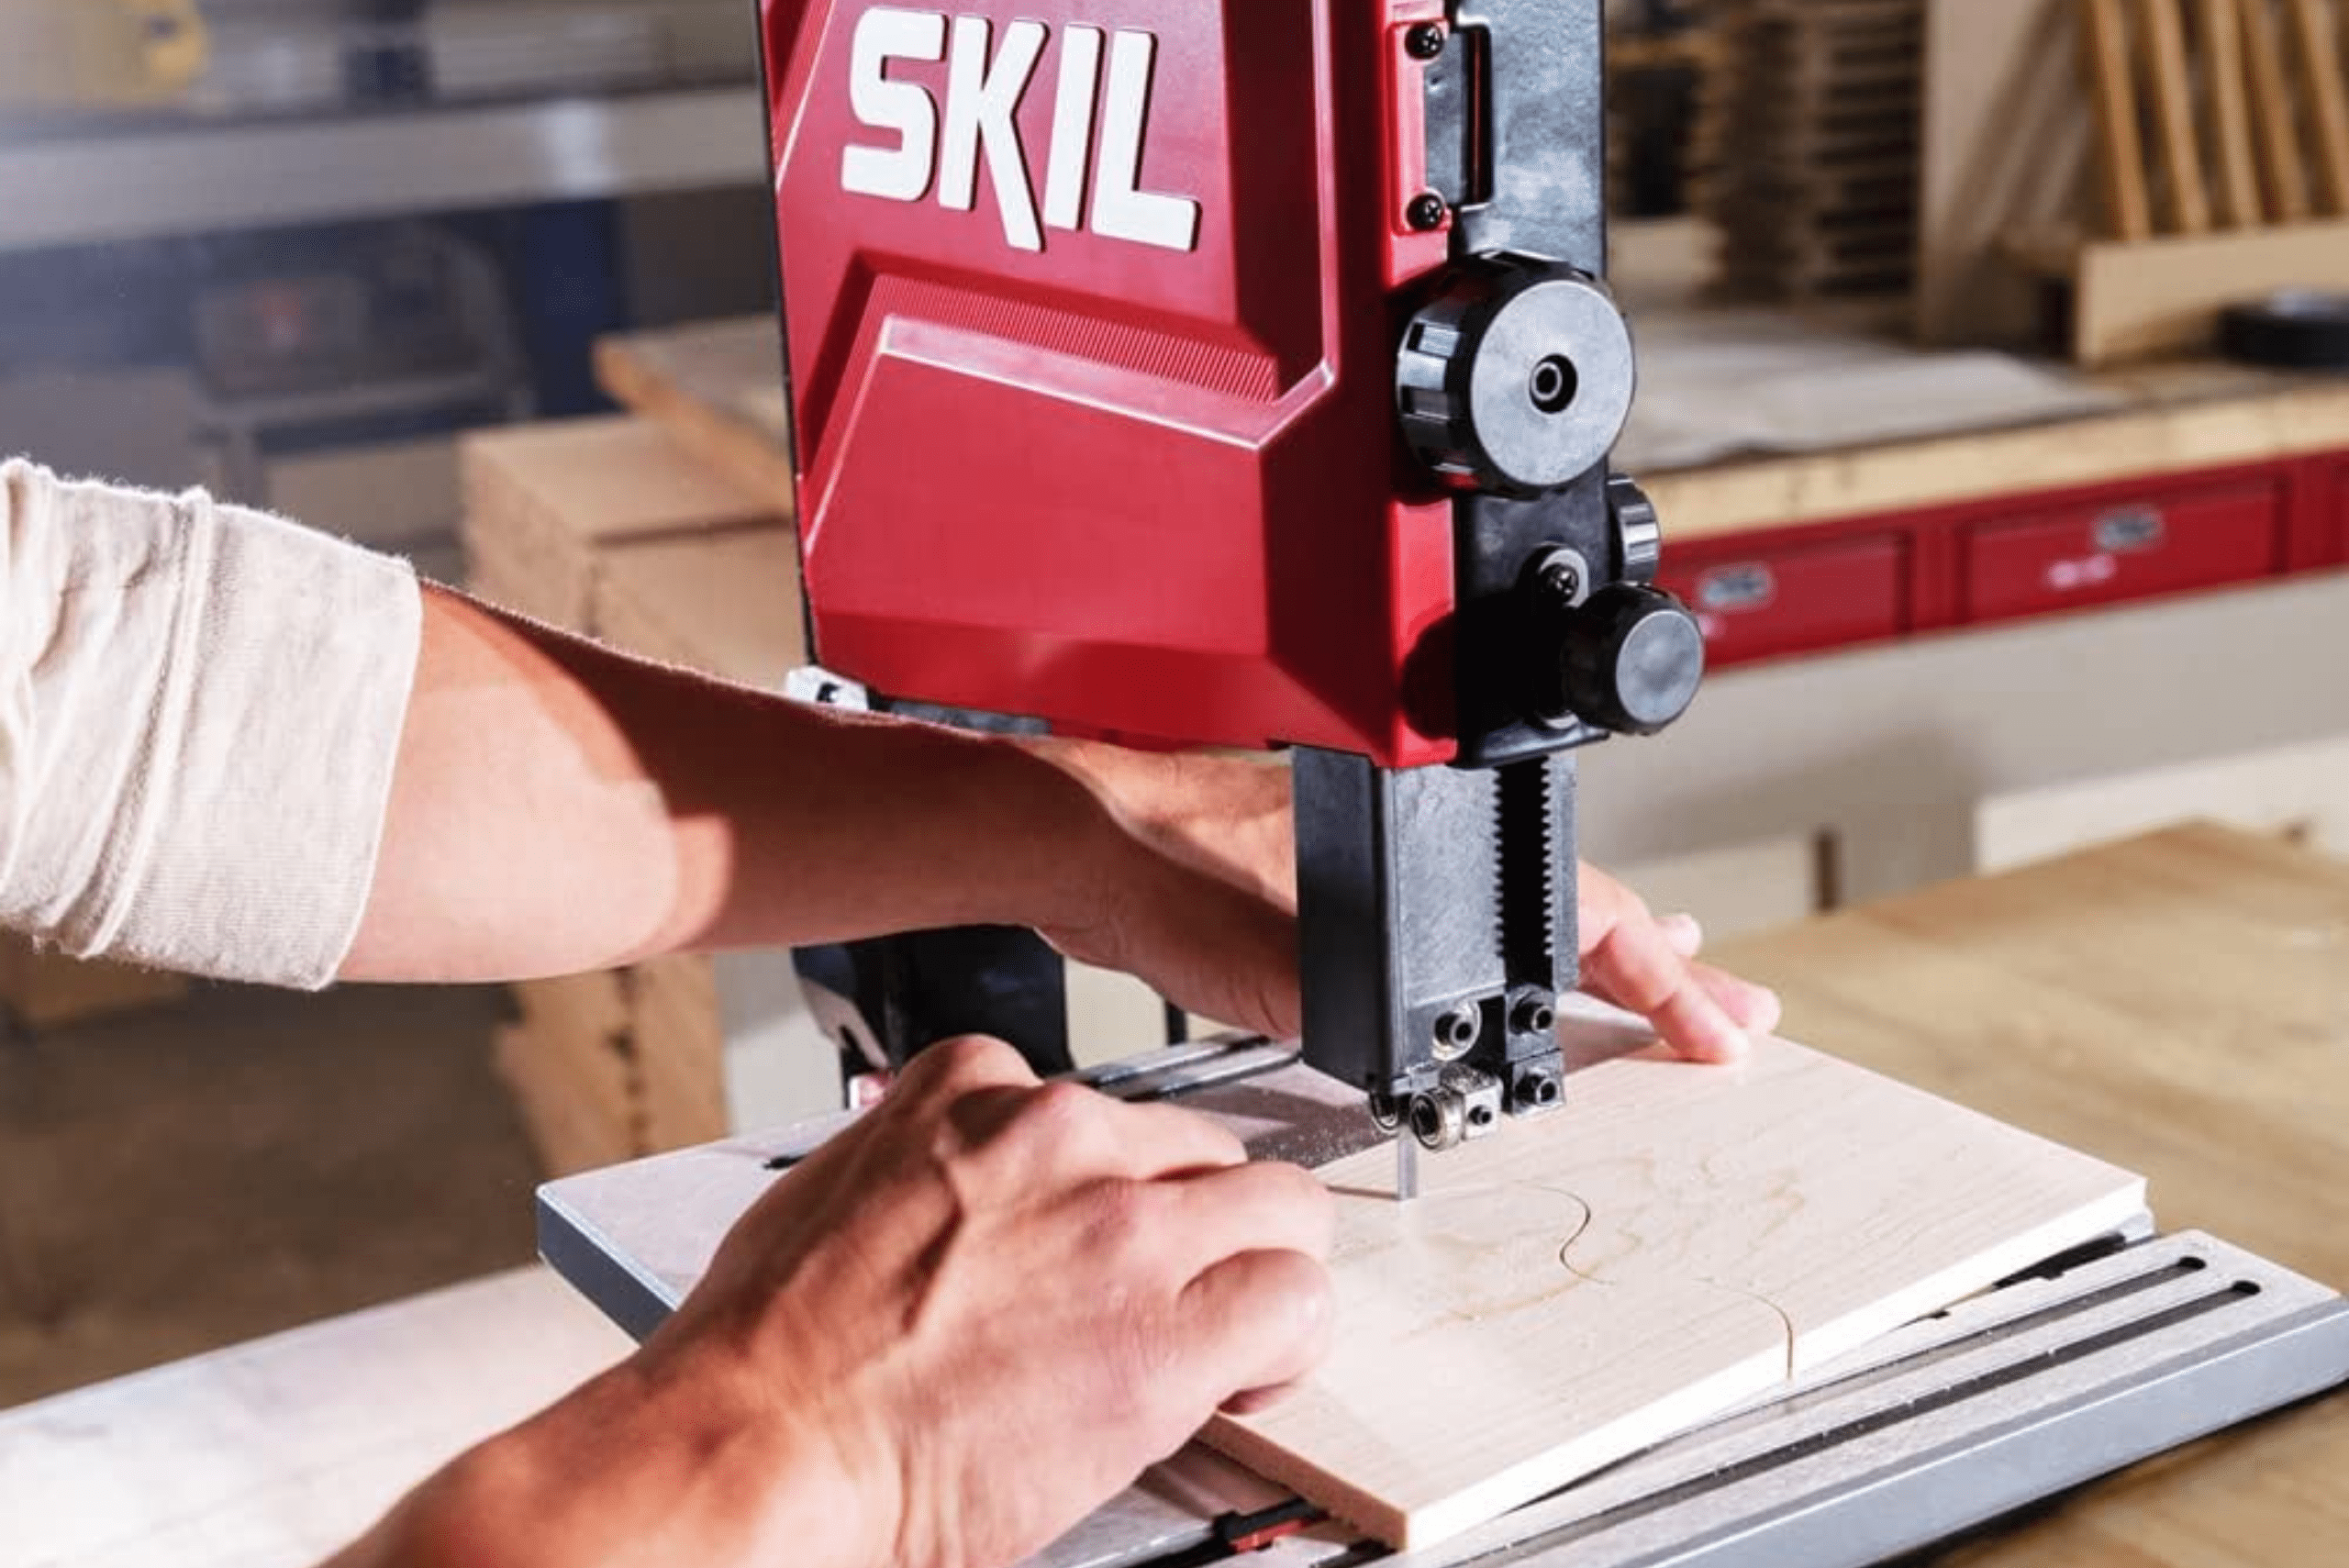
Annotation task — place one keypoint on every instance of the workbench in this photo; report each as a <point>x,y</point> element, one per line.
<point>2177,1004</point>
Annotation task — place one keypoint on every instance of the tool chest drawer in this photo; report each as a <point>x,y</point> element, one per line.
<point>1793,598</point>
<point>2341,513</point>
<point>2084,555</point>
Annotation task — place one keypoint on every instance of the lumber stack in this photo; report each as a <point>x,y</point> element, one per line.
<point>1806,155</point>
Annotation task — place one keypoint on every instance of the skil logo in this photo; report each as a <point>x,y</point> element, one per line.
<point>984,89</point>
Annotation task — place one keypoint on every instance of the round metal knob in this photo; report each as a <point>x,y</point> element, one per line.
<point>1516,378</point>
<point>1629,660</point>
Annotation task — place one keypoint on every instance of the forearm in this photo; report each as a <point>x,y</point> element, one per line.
<point>557,807</point>
<point>627,1471</point>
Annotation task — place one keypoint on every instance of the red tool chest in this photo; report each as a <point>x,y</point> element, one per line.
<point>2340,500</point>
<point>1794,600</point>
<point>2099,553</point>
<point>1809,587</point>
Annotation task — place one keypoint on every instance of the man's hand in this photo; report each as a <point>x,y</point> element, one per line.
<point>1194,890</point>
<point>940,1341</point>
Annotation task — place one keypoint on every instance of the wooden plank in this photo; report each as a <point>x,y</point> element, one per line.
<point>717,386</point>
<point>550,500</point>
<point>2120,153</point>
<point>1568,1292</point>
<point>2222,57</point>
<point>726,605</point>
<point>2283,174</point>
<point>2190,197</point>
<point>681,1047</point>
<point>578,1097</point>
<point>2319,52</point>
<point>2163,296</point>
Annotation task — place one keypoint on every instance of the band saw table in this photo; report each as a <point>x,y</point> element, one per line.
<point>2179,1004</point>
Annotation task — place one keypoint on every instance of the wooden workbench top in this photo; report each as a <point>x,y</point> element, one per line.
<point>2179,1005</point>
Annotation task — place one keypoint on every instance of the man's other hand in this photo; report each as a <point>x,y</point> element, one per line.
<point>1194,888</point>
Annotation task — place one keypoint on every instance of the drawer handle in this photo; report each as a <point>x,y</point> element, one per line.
<point>2125,533</point>
<point>1731,589</point>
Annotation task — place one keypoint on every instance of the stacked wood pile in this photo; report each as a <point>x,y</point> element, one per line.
<point>1806,154</point>
<point>1653,79</point>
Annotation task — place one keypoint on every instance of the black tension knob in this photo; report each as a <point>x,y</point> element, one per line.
<point>1516,379</point>
<point>1629,660</point>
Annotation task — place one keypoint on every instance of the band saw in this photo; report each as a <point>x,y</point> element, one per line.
<point>1224,374</point>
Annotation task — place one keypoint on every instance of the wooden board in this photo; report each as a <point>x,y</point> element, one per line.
<point>2163,296</point>
<point>2181,151</point>
<point>2221,35</point>
<point>1567,1292</point>
<point>2190,417</point>
<point>578,1097</point>
<point>2318,35</point>
<point>718,387</point>
<point>681,1048</point>
<point>2284,176</point>
<point>2120,154</point>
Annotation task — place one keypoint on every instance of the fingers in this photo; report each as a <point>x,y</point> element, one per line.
<point>1633,960</point>
<point>957,1067</point>
<point>1246,1208</point>
<point>1025,1140</point>
<point>1756,1009</point>
<point>1251,1324</point>
<point>1687,937</point>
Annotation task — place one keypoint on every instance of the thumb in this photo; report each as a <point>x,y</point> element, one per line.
<point>1253,1322</point>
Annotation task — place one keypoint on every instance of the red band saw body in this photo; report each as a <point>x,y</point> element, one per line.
<point>1055,461</point>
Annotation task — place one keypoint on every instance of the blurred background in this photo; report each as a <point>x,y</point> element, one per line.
<point>2003,542</point>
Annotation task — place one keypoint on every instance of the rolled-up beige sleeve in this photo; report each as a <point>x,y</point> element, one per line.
<point>200,710</point>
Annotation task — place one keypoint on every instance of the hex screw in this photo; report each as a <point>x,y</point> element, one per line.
<point>1457,1031</point>
<point>1425,211</point>
<point>1534,1015</point>
<point>1425,41</point>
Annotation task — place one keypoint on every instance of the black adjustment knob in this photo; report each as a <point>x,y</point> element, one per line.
<point>1516,378</point>
<point>1629,660</point>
